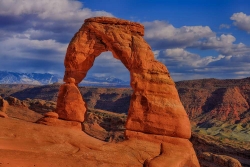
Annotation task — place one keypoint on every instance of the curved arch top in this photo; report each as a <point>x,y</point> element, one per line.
<point>155,107</point>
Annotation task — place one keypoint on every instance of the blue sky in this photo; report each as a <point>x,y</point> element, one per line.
<point>193,38</point>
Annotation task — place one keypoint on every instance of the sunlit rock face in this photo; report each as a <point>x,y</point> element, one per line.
<point>155,107</point>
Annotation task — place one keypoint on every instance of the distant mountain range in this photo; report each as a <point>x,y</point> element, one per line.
<point>28,78</point>
<point>46,78</point>
<point>103,81</point>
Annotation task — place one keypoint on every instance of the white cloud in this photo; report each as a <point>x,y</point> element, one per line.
<point>242,21</point>
<point>186,65</point>
<point>25,48</point>
<point>182,58</point>
<point>223,44</point>
<point>162,35</point>
<point>66,10</point>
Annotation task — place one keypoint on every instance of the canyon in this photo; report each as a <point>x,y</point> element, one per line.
<point>154,115</point>
<point>215,136</point>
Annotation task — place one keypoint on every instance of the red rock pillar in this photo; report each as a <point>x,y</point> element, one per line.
<point>70,104</point>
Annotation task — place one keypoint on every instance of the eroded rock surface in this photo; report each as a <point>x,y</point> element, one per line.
<point>70,109</point>
<point>70,105</point>
<point>155,106</point>
<point>214,160</point>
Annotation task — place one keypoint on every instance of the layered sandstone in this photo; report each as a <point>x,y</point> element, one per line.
<point>155,107</point>
<point>70,105</point>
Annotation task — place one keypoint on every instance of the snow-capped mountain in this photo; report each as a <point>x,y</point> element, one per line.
<point>28,78</point>
<point>103,81</point>
<point>46,78</point>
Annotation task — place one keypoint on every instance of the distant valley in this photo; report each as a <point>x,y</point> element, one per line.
<point>209,102</point>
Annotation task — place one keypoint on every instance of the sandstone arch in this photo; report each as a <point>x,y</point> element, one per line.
<point>155,107</point>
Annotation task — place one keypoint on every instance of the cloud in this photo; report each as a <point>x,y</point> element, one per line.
<point>65,10</point>
<point>185,65</point>
<point>57,16</point>
<point>242,21</point>
<point>34,34</point>
<point>223,44</point>
<point>179,57</point>
<point>224,26</point>
<point>162,35</point>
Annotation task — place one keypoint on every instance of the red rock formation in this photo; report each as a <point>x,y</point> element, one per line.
<point>14,101</point>
<point>155,114</point>
<point>172,155</point>
<point>51,120</point>
<point>70,109</point>
<point>155,107</point>
<point>70,105</point>
<point>51,115</point>
<point>3,115</point>
<point>29,144</point>
<point>3,104</point>
<point>219,100</point>
<point>231,105</point>
<point>214,160</point>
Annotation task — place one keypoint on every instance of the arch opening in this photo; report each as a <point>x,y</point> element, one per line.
<point>107,72</point>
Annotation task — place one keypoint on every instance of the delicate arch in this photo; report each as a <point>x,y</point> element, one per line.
<point>155,107</point>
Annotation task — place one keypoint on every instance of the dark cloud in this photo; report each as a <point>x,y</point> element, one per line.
<point>31,65</point>
<point>34,34</point>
